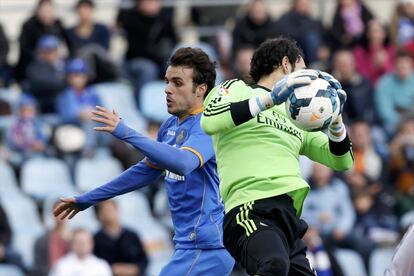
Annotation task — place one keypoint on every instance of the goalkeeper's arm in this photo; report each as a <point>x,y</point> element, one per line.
<point>228,106</point>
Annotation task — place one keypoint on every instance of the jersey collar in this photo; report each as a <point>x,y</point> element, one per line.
<point>254,86</point>
<point>192,112</point>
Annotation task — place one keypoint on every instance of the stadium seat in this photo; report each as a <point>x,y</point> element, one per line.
<point>8,180</point>
<point>6,121</point>
<point>104,169</point>
<point>85,219</point>
<point>380,260</point>
<point>153,104</point>
<point>22,213</point>
<point>11,96</point>
<point>10,270</point>
<point>42,177</point>
<point>350,262</point>
<point>24,220</point>
<point>120,97</point>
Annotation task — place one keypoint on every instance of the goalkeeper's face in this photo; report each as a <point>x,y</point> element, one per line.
<point>182,94</point>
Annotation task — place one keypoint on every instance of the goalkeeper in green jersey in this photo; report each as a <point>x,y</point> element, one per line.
<point>257,150</point>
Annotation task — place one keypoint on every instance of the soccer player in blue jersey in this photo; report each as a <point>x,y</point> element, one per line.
<point>186,154</point>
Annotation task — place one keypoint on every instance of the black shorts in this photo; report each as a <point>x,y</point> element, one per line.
<point>264,236</point>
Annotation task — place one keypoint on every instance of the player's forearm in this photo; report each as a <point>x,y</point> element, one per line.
<point>340,156</point>
<point>336,155</point>
<point>167,157</point>
<point>135,177</point>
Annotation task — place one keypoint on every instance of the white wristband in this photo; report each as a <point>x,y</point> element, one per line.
<point>333,134</point>
<point>260,103</point>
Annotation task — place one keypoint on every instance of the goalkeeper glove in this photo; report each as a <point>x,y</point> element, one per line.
<point>288,84</point>
<point>336,130</point>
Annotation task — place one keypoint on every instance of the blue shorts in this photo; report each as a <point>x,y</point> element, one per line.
<point>199,262</point>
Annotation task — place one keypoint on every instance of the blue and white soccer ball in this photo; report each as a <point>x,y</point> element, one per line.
<point>313,107</point>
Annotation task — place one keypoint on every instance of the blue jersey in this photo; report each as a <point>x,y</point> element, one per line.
<point>191,182</point>
<point>196,207</point>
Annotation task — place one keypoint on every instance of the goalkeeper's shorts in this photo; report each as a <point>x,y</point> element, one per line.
<point>264,236</point>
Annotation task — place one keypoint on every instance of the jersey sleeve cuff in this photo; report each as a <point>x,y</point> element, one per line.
<point>341,147</point>
<point>121,130</point>
<point>198,154</point>
<point>240,112</point>
<point>81,202</point>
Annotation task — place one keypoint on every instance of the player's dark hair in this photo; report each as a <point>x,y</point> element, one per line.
<point>268,57</point>
<point>204,70</point>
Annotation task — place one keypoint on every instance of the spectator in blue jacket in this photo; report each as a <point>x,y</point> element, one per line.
<point>333,218</point>
<point>75,104</point>
<point>394,95</point>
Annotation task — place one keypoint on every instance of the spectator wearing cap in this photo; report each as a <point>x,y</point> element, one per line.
<point>26,136</point>
<point>45,76</point>
<point>43,22</point>
<point>75,104</point>
<point>90,40</point>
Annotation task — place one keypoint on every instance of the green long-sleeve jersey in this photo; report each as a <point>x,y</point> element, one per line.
<point>259,158</point>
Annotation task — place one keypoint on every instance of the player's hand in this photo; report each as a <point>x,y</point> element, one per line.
<point>289,83</point>
<point>110,119</point>
<point>337,86</point>
<point>66,208</point>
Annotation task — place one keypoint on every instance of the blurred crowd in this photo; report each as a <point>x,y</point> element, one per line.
<point>63,72</point>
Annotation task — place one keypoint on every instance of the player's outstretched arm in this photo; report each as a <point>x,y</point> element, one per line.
<point>229,105</point>
<point>176,160</point>
<point>134,178</point>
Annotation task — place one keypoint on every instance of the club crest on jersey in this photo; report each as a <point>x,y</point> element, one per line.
<point>223,91</point>
<point>180,137</point>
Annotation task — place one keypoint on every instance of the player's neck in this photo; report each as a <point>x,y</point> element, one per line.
<point>269,81</point>
<point>193,111</point>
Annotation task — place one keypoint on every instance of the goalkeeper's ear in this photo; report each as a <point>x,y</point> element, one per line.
<point>286,65</point>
